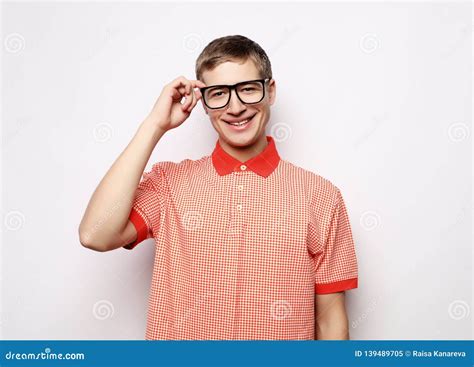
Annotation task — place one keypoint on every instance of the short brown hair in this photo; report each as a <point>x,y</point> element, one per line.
<point>233,48</point>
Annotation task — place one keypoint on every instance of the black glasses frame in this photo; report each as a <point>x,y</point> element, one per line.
<point>231,87</point>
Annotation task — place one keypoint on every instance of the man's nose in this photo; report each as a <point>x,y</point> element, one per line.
<point>235,106</point>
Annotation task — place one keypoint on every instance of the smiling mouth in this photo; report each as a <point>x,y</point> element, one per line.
<point>240,123</point>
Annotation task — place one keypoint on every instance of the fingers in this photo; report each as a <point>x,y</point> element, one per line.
<point>189,98</point>
<point>197,96</point>
<point>189,89</point>
<point>198,83</point>
<point>193,100</point>
<point>188,84</point>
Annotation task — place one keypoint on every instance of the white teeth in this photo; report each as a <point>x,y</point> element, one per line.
<point>239,123</point>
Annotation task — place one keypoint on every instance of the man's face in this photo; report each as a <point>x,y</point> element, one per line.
<point>230,73</point>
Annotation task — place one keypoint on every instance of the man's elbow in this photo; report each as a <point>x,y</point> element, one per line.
<point>87,241</point>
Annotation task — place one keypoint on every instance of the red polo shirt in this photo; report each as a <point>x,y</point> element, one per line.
<point>241,247</point>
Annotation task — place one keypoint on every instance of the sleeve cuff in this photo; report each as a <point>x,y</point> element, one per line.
<point>338,286</point>
<point>140,226</point>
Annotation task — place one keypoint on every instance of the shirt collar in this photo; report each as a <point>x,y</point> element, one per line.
<point>263,164</point>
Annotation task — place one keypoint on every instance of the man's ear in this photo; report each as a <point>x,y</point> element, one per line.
<point>271,92</point>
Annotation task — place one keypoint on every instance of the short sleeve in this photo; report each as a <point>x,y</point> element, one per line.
<point>147,205</point>
<point>336,265</point>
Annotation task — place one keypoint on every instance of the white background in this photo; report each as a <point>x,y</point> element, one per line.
<point>375,97</point>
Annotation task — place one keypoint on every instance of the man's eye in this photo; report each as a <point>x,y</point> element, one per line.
<point>216,93</point>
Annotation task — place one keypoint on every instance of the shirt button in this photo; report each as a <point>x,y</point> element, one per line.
<point>243,167</point>
<point>240,187</point>
<point>239,207</point>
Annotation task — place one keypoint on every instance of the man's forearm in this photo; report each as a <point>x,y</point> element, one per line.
<point>109,207</point>
<point>331,321</point>
<point>335,331</point>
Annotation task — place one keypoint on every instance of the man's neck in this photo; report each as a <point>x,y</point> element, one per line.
<point>245,153</point>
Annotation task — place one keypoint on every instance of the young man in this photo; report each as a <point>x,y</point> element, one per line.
<point>248,245</point>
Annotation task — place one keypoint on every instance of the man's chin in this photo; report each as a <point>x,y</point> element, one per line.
<point>242,140</point>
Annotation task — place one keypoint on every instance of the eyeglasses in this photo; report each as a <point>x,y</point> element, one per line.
<point>248,92</point>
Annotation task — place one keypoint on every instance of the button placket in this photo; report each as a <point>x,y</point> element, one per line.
<point>239,207</point>
<point>236,209</point>
<point>240,188</point>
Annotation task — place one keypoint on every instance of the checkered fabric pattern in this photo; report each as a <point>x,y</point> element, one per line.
<point>241,247</point>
